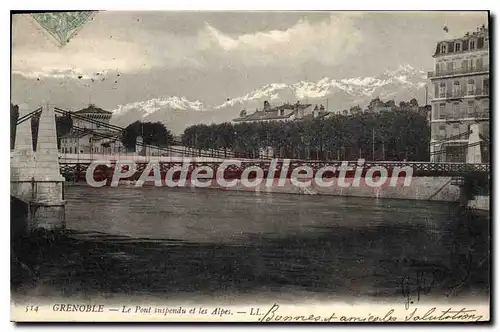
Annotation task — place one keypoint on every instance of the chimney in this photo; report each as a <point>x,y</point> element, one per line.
<point>266,105</point>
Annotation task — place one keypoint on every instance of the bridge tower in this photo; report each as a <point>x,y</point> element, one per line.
<point>35,176</point>
<point>474,145</point>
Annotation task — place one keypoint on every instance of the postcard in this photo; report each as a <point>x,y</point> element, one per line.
<point>250,166</point>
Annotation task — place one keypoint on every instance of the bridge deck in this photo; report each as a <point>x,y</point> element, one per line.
<point>73,169</point>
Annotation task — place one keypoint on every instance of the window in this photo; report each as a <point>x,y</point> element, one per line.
<point>442,131</point>
<point>485,108</point>
<point>479,63</point>
<point>456,111</point>
<point>462,112</point>
<point>465,65</point>
<point>457,47</point>
<point>456,88</point>
<point>442,90</point>
<point>470,87</point>
<point>442,115</point>
<point>472,44</point>
<point>443,48</point>
<point>282,112</point>
<point>456,129</point>
<point>449,66</point>
<point>70,149</point>
<point>486,86</point>
<point>480,42</point>
<point>470,109</point>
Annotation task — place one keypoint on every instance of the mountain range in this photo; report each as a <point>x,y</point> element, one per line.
<point>177,113</point>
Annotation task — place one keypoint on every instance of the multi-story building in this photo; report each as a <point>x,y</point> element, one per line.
<point>461,94</point>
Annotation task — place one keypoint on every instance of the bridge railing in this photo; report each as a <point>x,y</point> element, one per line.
<point>78,170</point>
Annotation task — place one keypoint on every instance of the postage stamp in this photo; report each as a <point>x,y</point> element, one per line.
<point>62,25</point>
<point>251,166</point>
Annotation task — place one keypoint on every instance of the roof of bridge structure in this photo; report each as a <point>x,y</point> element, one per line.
<point>93,109</point>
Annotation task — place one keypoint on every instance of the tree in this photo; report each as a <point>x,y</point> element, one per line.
<point>355,109</point>
<point>390,103</point>
<point>376,102</point>
<point>130,133</point>
<point>152,134</point>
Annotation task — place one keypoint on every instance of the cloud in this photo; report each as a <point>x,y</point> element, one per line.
<point>328,42</point>
<point>101,47</point>
<point>80,57</point>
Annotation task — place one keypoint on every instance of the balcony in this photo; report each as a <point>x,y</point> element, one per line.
<point>458,71</point>
<point>462,115</point>
<point>462,94</point>
<point>444,137</point>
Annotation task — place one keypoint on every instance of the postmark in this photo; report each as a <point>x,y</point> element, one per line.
<point>62,26</point>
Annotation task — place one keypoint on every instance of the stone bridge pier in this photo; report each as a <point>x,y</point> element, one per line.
<point>37,186</point>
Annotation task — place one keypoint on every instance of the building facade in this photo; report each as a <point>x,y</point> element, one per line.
<point>87,137</point>
<point>284,112</point>
<point>461,90</point>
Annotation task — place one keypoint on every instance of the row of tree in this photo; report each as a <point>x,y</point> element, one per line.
<point>373,136</point>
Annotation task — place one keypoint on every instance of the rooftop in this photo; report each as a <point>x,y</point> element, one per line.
<point>272,113</point>
<point>92,109</point>
<point>470,41</point>
<point>264,115</point>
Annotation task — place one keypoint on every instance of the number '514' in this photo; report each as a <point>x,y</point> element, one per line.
<point>31,308</point>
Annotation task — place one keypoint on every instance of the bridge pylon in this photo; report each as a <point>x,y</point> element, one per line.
<point>36,178</point>
<point>22,159</point>
<point>474,145</point>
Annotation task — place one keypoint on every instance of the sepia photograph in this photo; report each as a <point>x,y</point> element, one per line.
<point>275,166</point>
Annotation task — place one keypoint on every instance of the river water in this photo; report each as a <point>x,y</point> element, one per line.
<point>178,242</point>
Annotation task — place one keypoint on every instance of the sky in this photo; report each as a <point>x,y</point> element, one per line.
<point>212,56</point>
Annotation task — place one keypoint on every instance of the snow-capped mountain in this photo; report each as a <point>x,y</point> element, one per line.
<point>390,84</point>
<point>401,83</point>
<point>149,107</point>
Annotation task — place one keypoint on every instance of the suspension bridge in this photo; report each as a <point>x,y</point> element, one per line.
<point>38,173</point>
